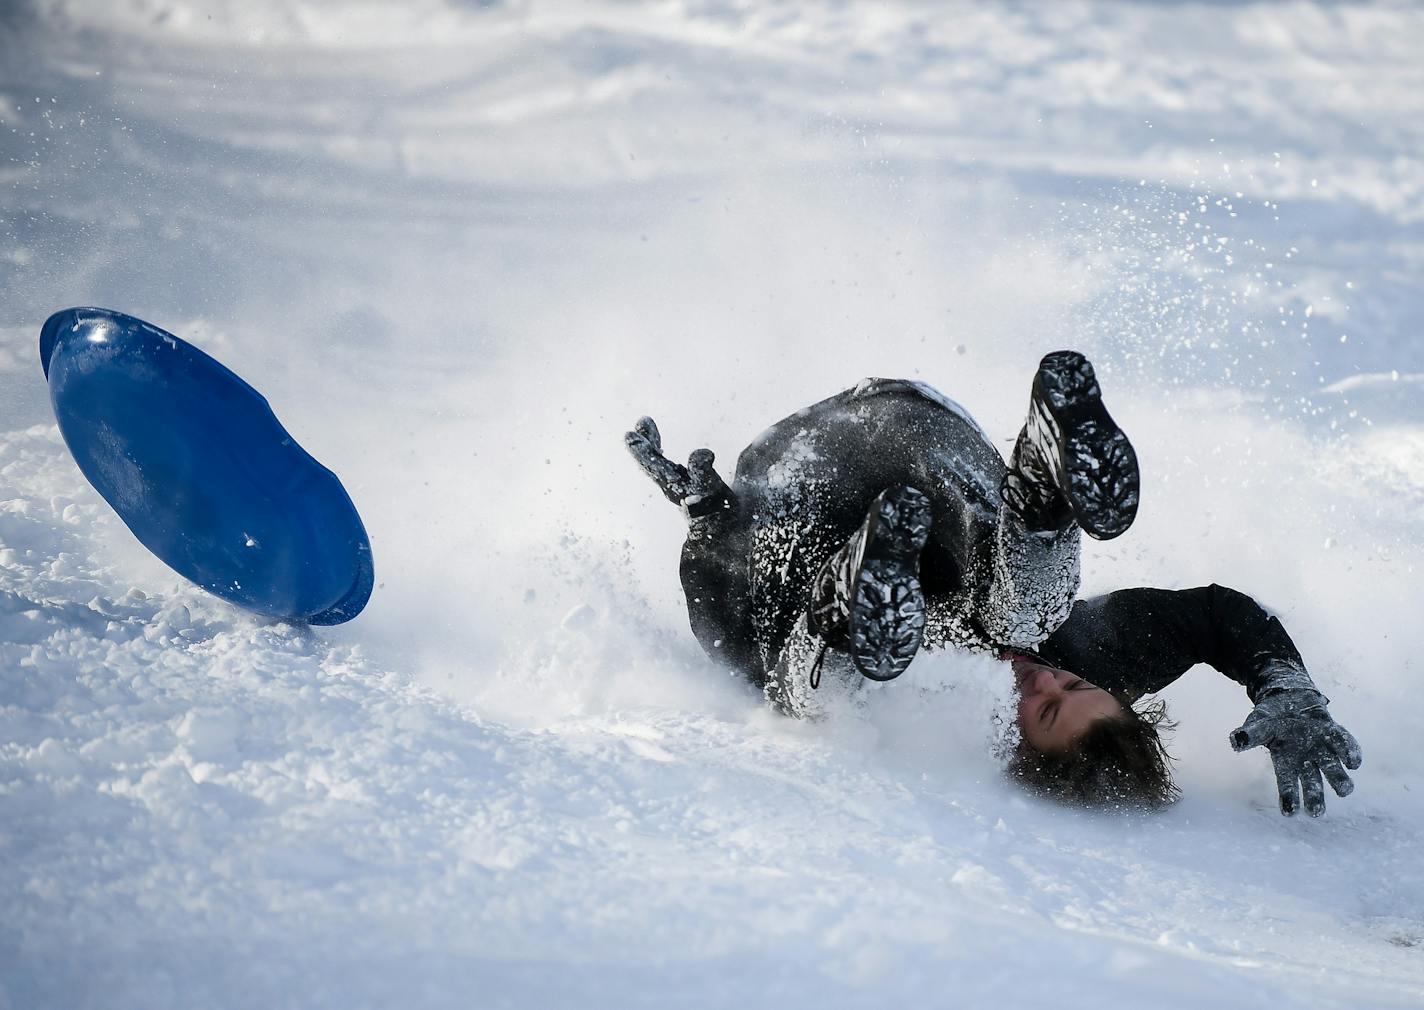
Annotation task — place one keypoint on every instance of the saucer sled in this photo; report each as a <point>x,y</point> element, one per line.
<point>196,464</point>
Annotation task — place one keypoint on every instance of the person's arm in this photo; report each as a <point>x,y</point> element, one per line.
<point>713,569</point>
<point>1137,641</point>
<point>696,488</point>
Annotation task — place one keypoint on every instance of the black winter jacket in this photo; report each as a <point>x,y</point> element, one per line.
<point>1137,641</point>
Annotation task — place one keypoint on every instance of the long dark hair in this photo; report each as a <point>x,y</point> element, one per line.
<point>1120,762</point>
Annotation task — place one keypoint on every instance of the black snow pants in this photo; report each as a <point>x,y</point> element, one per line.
<point>804,486</point>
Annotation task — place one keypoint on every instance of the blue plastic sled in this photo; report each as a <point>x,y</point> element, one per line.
<point>195,462</point>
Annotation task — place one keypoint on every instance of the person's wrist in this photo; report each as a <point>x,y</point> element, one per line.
<point>701,506</point>
<point>1280,679</point>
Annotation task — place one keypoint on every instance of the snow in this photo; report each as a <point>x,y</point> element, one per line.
<point>462,247</point>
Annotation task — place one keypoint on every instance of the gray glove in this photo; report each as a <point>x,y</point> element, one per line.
<point>697,487</point>
<point>1290,720</point>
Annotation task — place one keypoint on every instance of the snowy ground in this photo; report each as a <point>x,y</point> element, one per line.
<point>462,246</point>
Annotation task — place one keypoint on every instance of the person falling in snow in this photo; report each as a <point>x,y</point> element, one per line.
<point>882,519</point>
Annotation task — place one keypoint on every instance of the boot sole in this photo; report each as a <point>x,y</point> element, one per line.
<point>887,618</point>
<point>1103,484</point>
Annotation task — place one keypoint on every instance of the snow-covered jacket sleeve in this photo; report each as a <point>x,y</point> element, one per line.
<point>1137,641</point>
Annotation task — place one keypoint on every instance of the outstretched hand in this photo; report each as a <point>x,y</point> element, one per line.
<point>1305,743</point>
<point>688,486</point>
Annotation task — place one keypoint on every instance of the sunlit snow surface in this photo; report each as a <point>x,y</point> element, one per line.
<point>462,247</point>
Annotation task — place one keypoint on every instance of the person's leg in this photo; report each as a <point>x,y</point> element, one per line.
<point>1033,581</point>
<point>864,614</point>
<point>746,568</point>
<point>1071,460</point>
<point>994,582</point>
<point>809,673</point>
<point>1001,567</point>
<point>1072,470</point>
<point>1000,574</point>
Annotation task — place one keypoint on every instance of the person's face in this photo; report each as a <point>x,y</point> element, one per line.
<point>1057,707</point>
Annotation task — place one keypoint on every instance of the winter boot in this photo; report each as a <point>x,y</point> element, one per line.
<point>1071,462</point>
<point>867,597</point>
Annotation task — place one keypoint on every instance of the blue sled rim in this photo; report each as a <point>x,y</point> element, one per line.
<point>188,454</point>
